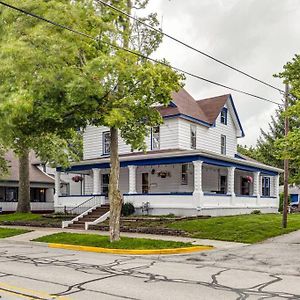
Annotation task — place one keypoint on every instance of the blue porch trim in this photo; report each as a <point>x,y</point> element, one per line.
<point>186,117</point>
<point>246,196</point>
<point>220,195</point>
<point>171,160</point>
<point>162,194</point>
<point>91,195</point>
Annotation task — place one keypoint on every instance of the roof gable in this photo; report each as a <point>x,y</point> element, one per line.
<point>204,111</point>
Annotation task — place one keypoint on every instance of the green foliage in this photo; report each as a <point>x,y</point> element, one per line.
<point>243,228</point>
<point>127,209</point>
<point>256,212</point>
<point>95,240</point>
<point>281,199</point>
<point>290,147</point>
<point>38,61</point>
<point>19,217</point>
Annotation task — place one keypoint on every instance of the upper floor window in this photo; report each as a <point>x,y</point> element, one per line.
<point>266,186</point>
<point>106,142</point>
<point>155,136</point>
<point>193,136</point>
<point>223,144</point>
<point>224,114</point>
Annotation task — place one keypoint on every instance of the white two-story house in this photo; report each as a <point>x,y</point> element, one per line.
<point>191,166</point>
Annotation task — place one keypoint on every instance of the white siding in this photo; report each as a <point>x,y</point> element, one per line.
<point>174,133</point>
<point>210,138</point>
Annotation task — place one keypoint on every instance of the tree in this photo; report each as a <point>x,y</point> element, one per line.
<point>133,86</point>
<point>38,61</point>
<point>289,147</point>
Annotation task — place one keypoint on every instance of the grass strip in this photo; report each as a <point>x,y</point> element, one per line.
<point>242,228</point>
<point>95,240</point>
<point>8,232</point>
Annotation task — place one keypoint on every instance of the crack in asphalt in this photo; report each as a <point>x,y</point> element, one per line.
<point>117,268</point>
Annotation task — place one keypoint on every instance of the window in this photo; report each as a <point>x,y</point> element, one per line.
<point>184,174</point>
<point>11,194</point>
<point>224,116</point>
<point>266,186</point>
<point>223,144</point>
<point>193,136</point>
<point>106,142</point>
<point>37,195</point>
<point>155,142</point>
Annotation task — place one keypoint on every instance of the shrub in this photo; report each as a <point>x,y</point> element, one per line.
<point>256,212</point>
<point>281,197</point>
<point>127,209</point>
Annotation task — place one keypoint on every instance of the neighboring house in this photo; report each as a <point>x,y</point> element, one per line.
<point>191,166</point>
<point>41,186</point>
<point>294,192</point>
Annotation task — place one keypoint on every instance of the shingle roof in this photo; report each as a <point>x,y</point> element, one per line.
<point>206,110</point>
<point>35,174</point>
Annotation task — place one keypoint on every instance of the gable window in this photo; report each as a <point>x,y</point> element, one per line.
<point>224,114</point>
<point>193,136</point>
<point>266,186</point>
<point>155,138</point>
<point>106,142</point>
<point>223,144</point>
<point>184,174</point>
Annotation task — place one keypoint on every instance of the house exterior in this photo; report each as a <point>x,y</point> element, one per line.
<point>41,186</point>
<point>191,166</point>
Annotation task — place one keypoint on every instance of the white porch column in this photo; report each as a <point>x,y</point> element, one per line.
<point>57,188</point>
<point>198,178</point>
<point>276,186</point>
<point>256,187</point>
<point>230,183</point>
<point>132,179</point>
<point>96,182</point>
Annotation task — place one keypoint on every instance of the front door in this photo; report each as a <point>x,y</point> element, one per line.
<point>245,186</point>
<point>223,184</point>
<point>105,183</point>
<point>145,183</point>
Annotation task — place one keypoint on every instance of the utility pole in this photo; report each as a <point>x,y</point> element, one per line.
<point>286,162</point>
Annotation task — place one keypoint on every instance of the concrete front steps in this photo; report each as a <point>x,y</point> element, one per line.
<point>90,217</point>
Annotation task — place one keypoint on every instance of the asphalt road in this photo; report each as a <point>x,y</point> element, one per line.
<point>270,270</point>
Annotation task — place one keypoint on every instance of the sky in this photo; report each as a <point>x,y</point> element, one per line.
<point>256,36</point>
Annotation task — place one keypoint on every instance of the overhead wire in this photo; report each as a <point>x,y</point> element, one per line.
<point>136,53</point>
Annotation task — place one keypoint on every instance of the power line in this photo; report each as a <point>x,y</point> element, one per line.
<point>189,46</point>
<point>137,54</point>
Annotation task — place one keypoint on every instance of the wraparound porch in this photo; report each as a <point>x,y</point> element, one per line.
<point>183,187</point>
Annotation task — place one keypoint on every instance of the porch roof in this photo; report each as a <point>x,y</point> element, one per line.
<point>174,156</point>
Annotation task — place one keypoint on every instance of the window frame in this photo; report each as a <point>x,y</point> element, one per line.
<point>193,133</point>
<point>104,143</point>
<point>266,186</point>
<point>224,116</point>
<point>153,135</point>
<point>223,145</point>
<point>184,174</point>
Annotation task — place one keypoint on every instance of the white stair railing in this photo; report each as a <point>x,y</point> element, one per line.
<point>97,221</point>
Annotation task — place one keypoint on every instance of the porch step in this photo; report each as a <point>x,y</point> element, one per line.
<point>90,217</point>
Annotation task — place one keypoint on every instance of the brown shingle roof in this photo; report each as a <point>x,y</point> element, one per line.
<point>35,175</point>
<point>206,110</point>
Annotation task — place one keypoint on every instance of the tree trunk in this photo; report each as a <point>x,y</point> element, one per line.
<point>24,183</point>
<point>114,195</point>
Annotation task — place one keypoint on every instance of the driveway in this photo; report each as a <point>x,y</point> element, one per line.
<point>269,270</point>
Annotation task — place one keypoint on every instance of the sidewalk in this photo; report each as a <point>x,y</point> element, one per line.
<point>39,232</point>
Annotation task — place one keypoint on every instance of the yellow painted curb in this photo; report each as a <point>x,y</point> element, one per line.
<point>132,252</point>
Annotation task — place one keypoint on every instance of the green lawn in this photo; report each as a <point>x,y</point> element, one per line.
<point>19,217</point>
<point>244,228</point>
<point>95,240</point>
<point>7,232</point>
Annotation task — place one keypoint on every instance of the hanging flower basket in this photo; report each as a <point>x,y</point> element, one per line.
<point>77,178</point>
<point>249,179</point>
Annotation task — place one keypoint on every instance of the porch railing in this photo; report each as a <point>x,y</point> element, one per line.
<point>84,206</point>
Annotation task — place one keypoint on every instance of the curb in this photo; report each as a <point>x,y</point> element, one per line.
<point>132,252</point>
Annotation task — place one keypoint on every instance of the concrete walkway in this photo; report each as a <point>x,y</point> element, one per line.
<point>39,232</point>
